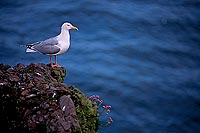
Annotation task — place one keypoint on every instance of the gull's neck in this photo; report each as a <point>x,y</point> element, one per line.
<point>64,35</point>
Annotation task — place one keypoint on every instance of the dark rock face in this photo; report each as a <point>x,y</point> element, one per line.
<point>33,99</point>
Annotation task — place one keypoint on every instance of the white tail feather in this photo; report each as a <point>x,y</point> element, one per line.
<point>30,50</point>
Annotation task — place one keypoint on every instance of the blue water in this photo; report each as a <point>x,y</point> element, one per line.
<point>141,56</point>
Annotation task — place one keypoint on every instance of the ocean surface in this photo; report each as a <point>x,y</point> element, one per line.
<point>142,57</point>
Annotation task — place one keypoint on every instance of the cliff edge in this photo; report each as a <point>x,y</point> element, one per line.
<point>34,99</point>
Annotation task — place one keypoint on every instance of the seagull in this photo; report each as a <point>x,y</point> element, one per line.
<point>55,45</point>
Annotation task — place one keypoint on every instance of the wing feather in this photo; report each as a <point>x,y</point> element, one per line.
<point>49,46</point>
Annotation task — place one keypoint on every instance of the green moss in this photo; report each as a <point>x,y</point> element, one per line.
<point>58,73</point>
<point>87,112</point>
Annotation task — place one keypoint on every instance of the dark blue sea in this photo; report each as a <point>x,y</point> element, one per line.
<point>142,57</point>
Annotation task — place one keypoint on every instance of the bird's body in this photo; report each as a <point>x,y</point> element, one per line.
<point>55,45</point>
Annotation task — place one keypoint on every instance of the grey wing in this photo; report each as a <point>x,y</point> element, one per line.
<point>48,46</point>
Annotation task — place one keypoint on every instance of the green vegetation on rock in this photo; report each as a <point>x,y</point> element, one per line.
<point>87,112</point>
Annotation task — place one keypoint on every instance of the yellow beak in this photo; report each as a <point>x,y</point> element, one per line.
<point>74,28</point>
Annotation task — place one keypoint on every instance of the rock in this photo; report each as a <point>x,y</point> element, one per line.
<point>34,99</point>
<point>66,117</point>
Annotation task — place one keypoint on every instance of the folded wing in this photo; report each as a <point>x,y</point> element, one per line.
<point>49,46</point>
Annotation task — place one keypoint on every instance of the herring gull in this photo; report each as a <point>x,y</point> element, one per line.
<point>55,45</point>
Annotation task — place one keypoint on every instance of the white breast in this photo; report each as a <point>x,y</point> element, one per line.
<point>63,41</point>
<point>64,46</point>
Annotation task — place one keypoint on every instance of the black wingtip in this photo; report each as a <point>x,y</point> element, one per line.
<point>29,46</point>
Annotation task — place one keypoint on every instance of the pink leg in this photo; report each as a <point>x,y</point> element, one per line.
<point>55,63</point>
<point>55,59</point>
<point>51,60</point>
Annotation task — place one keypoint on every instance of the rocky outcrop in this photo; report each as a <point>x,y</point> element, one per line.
<point>34,99</point>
